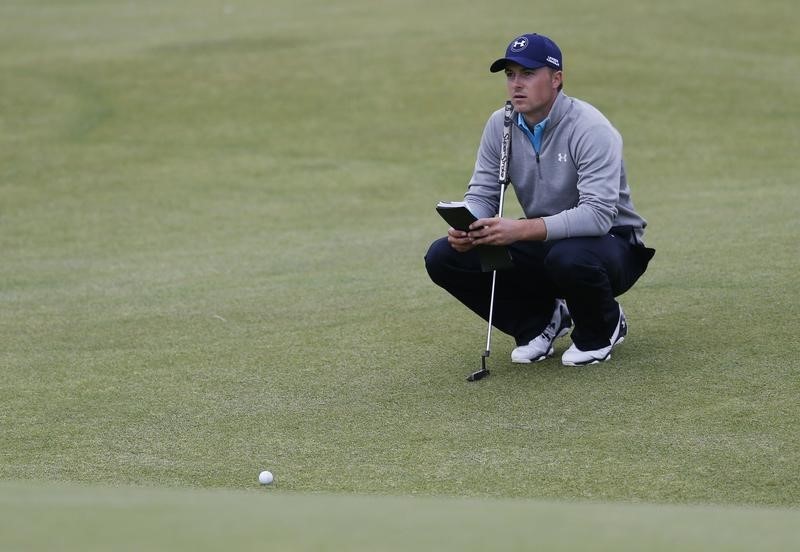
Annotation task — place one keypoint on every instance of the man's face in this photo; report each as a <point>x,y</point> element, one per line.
<point>532,91</point>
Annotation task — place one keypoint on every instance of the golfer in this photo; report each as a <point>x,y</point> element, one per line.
<point>581,243</point>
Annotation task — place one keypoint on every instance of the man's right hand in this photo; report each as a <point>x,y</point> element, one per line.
<point>459,240</point>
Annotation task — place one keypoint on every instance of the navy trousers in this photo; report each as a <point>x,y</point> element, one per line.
<point>586,272</point>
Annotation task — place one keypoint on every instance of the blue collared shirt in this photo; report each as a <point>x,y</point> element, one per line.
<point>536,136</point>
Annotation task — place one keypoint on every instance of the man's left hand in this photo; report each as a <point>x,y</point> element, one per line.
<point>503,231</point>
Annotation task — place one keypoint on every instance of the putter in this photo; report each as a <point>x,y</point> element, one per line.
<point>505,152</point>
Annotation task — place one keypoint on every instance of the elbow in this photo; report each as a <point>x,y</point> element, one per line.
<point>604,217</point>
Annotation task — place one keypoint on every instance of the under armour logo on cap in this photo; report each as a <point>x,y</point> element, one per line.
<point>531,51</point>
<point>519,44</point>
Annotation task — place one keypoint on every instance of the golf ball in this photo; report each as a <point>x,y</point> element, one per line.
<point>265,477</point>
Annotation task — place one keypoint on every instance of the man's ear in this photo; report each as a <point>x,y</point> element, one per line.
<point>557,79</point>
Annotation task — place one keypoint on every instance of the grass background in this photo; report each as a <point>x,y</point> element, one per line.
<point>212,225</point>
<point>102,518</point>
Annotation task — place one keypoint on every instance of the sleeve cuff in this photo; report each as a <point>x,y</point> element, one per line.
<point>556,226</point>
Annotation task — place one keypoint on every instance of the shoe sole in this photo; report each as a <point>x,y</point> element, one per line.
<point>532,360</point>
<point>595,360</point>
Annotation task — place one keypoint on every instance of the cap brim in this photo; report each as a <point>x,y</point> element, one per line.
<point>501,63</point>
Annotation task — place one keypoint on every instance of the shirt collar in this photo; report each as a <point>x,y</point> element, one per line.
<point>537,129</point>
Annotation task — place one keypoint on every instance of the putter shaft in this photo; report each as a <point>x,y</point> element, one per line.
<point>503,180</point>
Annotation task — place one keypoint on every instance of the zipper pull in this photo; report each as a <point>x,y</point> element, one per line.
<point>537,157</point>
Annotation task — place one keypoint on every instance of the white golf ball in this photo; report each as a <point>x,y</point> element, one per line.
<point>265,477</point>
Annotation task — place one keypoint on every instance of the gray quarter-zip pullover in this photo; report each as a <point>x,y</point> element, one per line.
<point>576,183</point>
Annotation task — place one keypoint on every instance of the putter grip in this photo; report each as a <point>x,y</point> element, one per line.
<point>505,148</point>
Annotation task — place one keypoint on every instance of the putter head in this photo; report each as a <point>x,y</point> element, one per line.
<point>483,372</point>
<point>480,374</point>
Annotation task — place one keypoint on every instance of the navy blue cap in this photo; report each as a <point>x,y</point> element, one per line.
<point>530,51</point>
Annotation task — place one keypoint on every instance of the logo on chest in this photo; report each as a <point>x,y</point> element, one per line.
<point>562,157</point>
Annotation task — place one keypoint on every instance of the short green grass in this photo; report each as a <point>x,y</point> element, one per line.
<point>88,518</point>
<point>213,220</point>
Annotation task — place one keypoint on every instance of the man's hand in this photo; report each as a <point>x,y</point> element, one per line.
<point>494,231</point>
<point>497,231</point>
<point>503,231</point>
<point>459,240</point>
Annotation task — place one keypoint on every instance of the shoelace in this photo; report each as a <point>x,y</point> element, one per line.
<point>550,331</point>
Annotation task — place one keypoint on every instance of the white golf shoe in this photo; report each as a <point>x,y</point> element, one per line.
<point>541,346</point>
<point>575,357</point>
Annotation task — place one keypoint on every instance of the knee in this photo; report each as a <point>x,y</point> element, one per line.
<point>437,259</point>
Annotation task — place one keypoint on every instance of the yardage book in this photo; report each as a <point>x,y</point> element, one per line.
<point>458,215</point>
